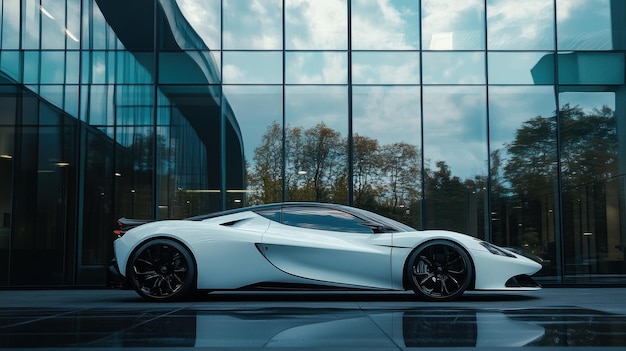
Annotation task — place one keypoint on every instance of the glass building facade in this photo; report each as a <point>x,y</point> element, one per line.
<point>502,119</point>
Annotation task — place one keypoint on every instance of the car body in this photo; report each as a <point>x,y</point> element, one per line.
<point>311,244</point>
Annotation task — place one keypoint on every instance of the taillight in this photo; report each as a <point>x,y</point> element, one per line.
<point>119,233</point>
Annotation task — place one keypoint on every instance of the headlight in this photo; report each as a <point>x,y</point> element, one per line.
<point>496,250</point>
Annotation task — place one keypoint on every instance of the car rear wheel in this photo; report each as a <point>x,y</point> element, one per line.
<point>439,270</point>
<point>162,270</point>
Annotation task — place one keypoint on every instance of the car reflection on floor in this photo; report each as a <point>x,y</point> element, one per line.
<point>319,328</point>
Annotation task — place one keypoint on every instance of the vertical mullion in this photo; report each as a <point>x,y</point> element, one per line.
<point>350,121</point>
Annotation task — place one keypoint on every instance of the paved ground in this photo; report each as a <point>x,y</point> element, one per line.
<point>583,318</point>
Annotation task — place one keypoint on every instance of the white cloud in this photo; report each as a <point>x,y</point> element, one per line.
<point>204,17</point>
<point>316,24</point>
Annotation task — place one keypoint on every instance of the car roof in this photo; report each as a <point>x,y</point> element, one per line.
<point>263,207</point>
<point>281,205</point>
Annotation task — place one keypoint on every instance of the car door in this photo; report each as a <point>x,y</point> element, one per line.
<point>329,245</point>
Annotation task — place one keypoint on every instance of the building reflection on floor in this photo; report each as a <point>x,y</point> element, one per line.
<point>311,327</point>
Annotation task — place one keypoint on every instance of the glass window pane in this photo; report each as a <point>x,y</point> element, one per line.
<point>316,68</point>
<point>253,24</point>
<point>253,67</point>
<point>453,67</point>
<point>316,24</point>
<point>317,127</point>
<point>53,67</point>
<point>385,68</point>
<point>31,67</point>
<point>11,63</point>
<point>258,110</point>
<point>53,30</point>
<point>387,157</point>
<point>30,16</point>
<point>521,68</point>
<point>385,25</point>
<point>593,183</point>
<point>10,25</point>
<point>591,25</point>
<point>520,25</point>
<point>522,136</point>
<point>72,30</point>
<point>591,68</point>
<point>453,25</point>
<point>455,154</point>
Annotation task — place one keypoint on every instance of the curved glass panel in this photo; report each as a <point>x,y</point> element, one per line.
<point>254,25</point>
<point>453,25</point>
<point>453,67</point>
<point>316,24</point>
<point>204,16</point>
<point>253,67</point>
<point>520,68</point>
<point>520,25</point>
<point>385,68</point>
<point>385,25</point>
<point>316,68</point>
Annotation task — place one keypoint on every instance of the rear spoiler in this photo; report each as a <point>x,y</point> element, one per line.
<point>125,224</point>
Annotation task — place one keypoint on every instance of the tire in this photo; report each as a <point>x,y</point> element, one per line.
<point>439,270</point>
<point>162,270</point>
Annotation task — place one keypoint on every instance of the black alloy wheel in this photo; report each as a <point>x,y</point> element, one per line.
<point>439,270</point>
<point>162,270</point>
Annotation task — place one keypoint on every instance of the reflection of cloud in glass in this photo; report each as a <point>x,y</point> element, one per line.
<point>316,68</point>
<point>585,24</point>
<point>256,108</point>
<point>520,25</point>
<point>316,24</point>
<point>465,19</point>
<point>385,68</point>
<point>307,106</point>
<point>387,114</point>
<point>453,68</point>
<point>455,128</point>
<point>385,24</point>
<point>510,107</point>
<point>204,17</point>
<point>253,24</point>
<point>252,67</point>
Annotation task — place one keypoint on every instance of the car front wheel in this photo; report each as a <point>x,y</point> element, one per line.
<point>439,271</point>
<point>162,270</point>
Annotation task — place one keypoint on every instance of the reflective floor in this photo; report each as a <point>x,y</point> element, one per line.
<point>327,321</point>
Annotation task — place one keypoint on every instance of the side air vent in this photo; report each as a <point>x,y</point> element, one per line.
<point>231,223</point>
<point>522,281</point>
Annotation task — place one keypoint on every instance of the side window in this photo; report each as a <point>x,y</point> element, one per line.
<point>324,219</point>
<point>271,214</point>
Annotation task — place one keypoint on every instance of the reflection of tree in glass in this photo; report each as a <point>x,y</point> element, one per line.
<point>265,177</point>
<point>588,155</point>
<point>588,150</point>
<point>387,178</point>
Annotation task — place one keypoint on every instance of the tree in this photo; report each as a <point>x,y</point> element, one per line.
<point>265,178</point>
<point>367,171</point>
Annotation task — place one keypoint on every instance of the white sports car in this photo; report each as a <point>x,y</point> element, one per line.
<point>310,244</point>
